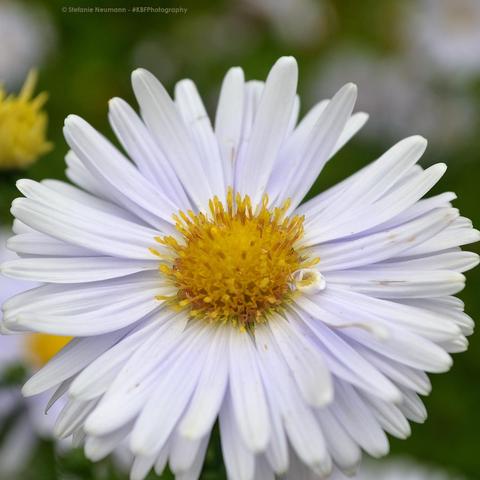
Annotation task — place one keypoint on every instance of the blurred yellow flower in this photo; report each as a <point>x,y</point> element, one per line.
<point>23,126</point>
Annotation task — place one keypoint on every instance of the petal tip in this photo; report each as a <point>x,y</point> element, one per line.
<point>73,120</point>
<point>287,60</point>
<point>420,139</point>
<point>115,102</point>
<point>286,66</point>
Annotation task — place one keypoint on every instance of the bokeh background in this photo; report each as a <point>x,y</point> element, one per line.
<point>417,65</point>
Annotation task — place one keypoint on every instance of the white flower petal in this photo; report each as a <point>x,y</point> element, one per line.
<point>407,348</point>
<point>228,120</point>
<point>133,384</point>
<point>388,415</point>
<point>74,270</point>
<point>263,470</point>
<point>351,253</point>
<point>361,218</point>
<point>247,392</point>
<point>440,308</point>
<point>174,387</point>
<point>108,165</point>
<point>400,374</point>
<point>269,129</point>
<point>119,302</point>
<point>354,414</point>
<point>97,377</point>
<point>58,393</point>
<point>305,362</point>
<point>420,208</point>
<point>184,453</point>
<point>344,450</point>
<point>290,152</point>
<point>378,177</point>
<point>392,314</point>
<point>193,473</point>
<point>75,356</point>
<point>142,466</point>
<point>39,244</point>
<point>277,449</point>
<point>161,116</point>
<point>456,260</point>
<point>78,174</point>
<point>196,120</point>
<point>91,230</point>
<point>345,362</point>
<point>239,461</point>
<point>412,407</point>
<point>85,198</point>
<point>252,96</point>
<point>300,424</point>
<point>162,457</point>
<point>72,417</point>
<point>293,116</point>
<point>398,283</point>
<point>353,125</point>
<point>97,448</point>
<point>450,237</point>
<point>205,404</point>
<point>139,144</point>
<point>323,139</point>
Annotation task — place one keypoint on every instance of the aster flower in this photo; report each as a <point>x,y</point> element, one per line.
<point>300,23</point>
<point>17,353</point>
<point>198,287</point>
<point>444,35</point>
<point>398,469</point>
<point>27,36</point>
<point>399,85</point>
<point>23,126</point>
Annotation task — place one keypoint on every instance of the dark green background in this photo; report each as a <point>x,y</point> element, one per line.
<point>91,63</point>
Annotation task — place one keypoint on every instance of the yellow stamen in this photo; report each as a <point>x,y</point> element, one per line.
<point>40,347</point>
<point>237,263</point>
<point>23,126</point>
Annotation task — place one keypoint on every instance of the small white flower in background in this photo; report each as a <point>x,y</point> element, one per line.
<point>296,22</point>
<point>444,35</point>
<point>398,469</point>
<point>198,286</point>
<point>26,37</point>
<point>399,97</point>
<point>30,422</point>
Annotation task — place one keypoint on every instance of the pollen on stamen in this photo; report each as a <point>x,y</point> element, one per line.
<point>236,264</point>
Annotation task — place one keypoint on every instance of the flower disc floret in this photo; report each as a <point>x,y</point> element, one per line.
<point>236,264</point>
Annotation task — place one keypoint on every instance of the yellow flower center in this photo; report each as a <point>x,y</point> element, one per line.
<point>236,264</point>
<point>23,126</point>
<point>40,347</point>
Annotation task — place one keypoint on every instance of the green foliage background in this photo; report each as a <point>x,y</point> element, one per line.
<point>92,62</point>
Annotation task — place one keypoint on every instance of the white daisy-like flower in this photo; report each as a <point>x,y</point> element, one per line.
<point>398,85</point>
<point>31,351</point>
<point>27,36</point>
<point>296,22</point>
<point>444,35</point>
<point>398,469</point>
<point>199,288</point>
